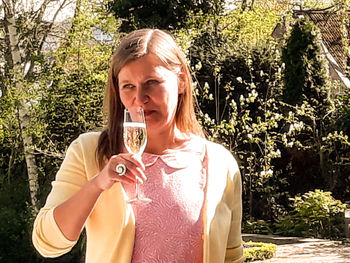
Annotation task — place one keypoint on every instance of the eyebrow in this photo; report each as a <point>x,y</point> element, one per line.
<point>123,82</point>
<point>145,78</point>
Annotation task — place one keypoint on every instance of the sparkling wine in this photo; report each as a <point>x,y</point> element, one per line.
<point>135,137</point>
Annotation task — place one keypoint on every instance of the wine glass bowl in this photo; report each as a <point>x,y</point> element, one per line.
<point>135,139</point>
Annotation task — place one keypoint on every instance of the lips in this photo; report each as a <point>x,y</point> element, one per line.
<point>148,112</point>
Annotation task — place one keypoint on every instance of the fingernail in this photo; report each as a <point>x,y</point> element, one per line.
<point>144,177</point>
<point>140,180</point>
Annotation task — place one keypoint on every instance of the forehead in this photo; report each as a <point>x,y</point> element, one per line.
<point>145,65</point>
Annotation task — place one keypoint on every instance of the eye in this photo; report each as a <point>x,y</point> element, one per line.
<point>152,82</point>
<point>127,86</point>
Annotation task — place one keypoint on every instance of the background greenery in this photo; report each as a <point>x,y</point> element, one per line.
<point>270,102</point>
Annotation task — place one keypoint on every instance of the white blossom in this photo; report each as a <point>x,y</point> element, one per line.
<point>198,66</point>
<point>268,172</point>
<point>241,98</point>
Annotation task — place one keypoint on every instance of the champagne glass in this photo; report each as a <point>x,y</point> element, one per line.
<point>135,139</point>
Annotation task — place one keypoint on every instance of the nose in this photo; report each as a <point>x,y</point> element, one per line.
<point>141,96</point>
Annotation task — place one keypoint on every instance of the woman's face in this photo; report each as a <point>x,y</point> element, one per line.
<point>147,83</point>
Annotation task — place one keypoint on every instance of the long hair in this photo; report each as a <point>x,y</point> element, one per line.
<point>133,46</point>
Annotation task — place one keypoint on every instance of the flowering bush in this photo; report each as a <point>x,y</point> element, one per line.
<point>316,213</point>
<point>258,250</point>
<point>283,149</point>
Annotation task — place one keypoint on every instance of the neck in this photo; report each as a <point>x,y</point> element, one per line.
<point>158,143</point>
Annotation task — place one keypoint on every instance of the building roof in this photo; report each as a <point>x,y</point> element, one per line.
<point>329,23</point>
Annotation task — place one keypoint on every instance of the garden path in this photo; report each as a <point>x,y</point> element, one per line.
<point>304,250</point>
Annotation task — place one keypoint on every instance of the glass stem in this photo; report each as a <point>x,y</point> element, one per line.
<point>137,190</point>
<point>137,184</point>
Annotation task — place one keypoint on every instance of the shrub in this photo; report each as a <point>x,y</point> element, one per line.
<point>15,220</point>
<point>258,250</point>
<point>256,227</point>
<point>316,214</point>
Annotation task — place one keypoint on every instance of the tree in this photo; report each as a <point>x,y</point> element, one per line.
<point>322,146</point>
<point>306,68</point>
<point>25,28</point>
<point>164,14</point>
<point>72,103</point>
<point>63,94</point>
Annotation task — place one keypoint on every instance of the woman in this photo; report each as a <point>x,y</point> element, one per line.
<point>195,185</point>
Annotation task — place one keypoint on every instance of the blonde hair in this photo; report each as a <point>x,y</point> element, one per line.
<point>133,46</point>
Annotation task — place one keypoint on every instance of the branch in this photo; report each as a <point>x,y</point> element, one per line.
<point>50,25</point>
<point>7,8</point>
<point>38,15</point>
<point>53,35</point>
<point>58,155</point>
<point>63,5</point>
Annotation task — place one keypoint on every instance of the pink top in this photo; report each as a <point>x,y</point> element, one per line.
<point>169,229</point>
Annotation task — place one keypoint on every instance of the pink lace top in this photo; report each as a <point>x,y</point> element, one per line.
<point>169,229</point>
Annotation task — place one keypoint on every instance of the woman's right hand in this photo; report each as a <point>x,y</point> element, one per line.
<point>71,215</point>
<point>134,173</point>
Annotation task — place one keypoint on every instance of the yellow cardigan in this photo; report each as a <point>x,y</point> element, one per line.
<point>110,228</point>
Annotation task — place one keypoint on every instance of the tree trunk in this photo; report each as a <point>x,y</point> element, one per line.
<point>28,149</point>
<point>23,110</point>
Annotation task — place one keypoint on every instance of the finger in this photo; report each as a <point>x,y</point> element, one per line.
<point>134,158</point>
<point>114,175</point>
<point>123,179</point>
<point>137,159</point>
<point>134,173</point>
<point>141,175</point>
<point>134,165</point>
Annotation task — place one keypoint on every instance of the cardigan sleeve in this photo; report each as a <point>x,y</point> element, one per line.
<point>47,237</point>
<point>234,250</point>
